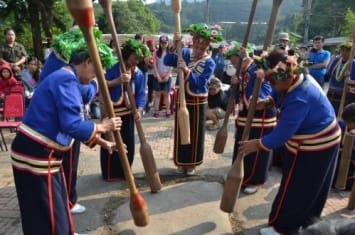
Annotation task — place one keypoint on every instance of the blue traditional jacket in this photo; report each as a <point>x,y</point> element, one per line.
<point>304,111</point>
<point>201,70</point>
<point>137,84</point>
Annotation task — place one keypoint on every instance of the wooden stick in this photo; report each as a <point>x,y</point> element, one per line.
<point>236,173</point>
<point>83,14</point>
<point>222,134</point>
<point>351,202</point>
<point>345,159</point>
<point>345,88</point>
<point>348,140</point>
<point>145,150</point>
<point>182,113</point>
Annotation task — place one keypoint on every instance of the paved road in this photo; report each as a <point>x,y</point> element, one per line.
<point>104,200</point>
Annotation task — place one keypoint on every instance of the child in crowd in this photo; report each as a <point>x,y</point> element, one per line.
<point>7,80</point>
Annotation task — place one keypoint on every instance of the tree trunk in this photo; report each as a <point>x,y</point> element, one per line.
<point>46,8</point>
<point>35,28</point>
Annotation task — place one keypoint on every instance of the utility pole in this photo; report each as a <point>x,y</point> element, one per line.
<point>208,12</point>
<point>307,4</point>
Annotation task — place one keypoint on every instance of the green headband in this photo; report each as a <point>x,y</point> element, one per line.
<point>73,41</point>
<point>236,49</point>
<point>213,33</point>
<point>139,48</point>
<point>286,66</point>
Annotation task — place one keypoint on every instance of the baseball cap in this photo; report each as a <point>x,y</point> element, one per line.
<point>163,38</point>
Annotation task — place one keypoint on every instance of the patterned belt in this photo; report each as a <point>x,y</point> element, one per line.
<point>324,139</point>
<point>35,165</point>
<point>41,139</point>
<point>258,122</point>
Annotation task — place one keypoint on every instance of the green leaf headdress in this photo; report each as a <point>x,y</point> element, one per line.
<point>72,41</point>
<point>213,33</point>
<point>278,66</point>
<point>139,48</point>
<point>235,49</point>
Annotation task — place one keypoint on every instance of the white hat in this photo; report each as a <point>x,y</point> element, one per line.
<point>283,36</point>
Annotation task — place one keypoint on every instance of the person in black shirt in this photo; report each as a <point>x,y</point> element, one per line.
<point>217,103</point>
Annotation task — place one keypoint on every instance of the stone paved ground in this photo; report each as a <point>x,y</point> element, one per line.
<point>102,199</point>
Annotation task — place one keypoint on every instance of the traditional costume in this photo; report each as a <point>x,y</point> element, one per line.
<point>111,168</point>
<point>308,128</point>
<point>337,71</point>
<point>196,92</point>
<point>51,121</point>
<point>255,164</point>
<point>71,158</point>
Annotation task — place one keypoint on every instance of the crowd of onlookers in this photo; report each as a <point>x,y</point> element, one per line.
<point>16,67</point>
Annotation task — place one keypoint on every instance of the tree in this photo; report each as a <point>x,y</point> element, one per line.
<point>349,23</point>
<point>130,17</point>
<point>327,17</point>
<point>34,19</point>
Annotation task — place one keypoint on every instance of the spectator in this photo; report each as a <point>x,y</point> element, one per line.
<point>283,41</point>
<point>219,60</point>
<point>13,53</point>
<point>49,49</point>
<point>30,77</point>
<point>217,103</point>
<point>303,50</point>
<point>162,80</point>
<point>7,80</point>
<point>319,59</point>
<point>139,37</point>
<point>150,65</point>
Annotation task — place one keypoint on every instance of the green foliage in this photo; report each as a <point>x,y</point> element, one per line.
<point>14,15</point>
<point>349,23</point>
<point>130,17</point>
<point>227,11</point>
<point>328,17</point>
<point>62,18</point>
